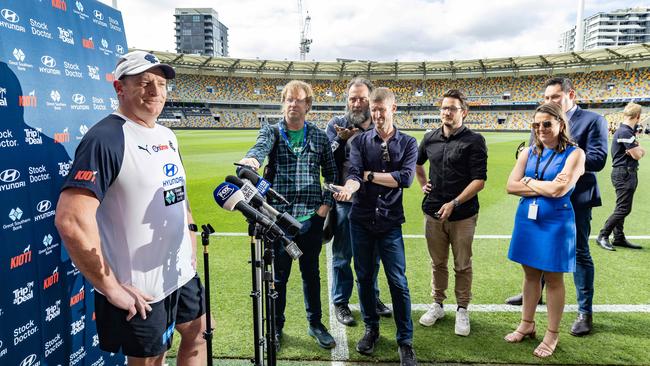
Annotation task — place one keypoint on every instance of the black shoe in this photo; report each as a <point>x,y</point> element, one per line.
<point>344,315</point>
<point>322,336</point>
<point>603,241</point>
<point>582,325</point>
<point>518,299</point>
<point>366,346</point>
<point>626,244</point>
<point>383,310</point>
<point>406,355</point>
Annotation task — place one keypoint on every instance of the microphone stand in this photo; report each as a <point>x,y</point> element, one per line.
<point>256,293</point>
<point>207,335</point>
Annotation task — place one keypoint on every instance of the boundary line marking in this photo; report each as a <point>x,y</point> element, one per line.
<point>503,308</point>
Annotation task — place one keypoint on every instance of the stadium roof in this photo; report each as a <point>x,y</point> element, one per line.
<point>624,57</point>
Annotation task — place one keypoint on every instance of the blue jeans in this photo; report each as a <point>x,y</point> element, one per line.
<point>583,277</point>
<point>366,245</point>
<point>342,279</point>
<point>309,241</point>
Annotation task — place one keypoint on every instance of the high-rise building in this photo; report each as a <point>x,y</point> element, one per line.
<point>617,28</point>
<point>199,31</point>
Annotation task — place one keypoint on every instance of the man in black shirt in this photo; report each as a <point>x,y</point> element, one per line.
<point>626,154</point>
<point>457,172</point>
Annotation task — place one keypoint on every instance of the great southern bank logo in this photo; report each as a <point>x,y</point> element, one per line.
<point>170,169</point>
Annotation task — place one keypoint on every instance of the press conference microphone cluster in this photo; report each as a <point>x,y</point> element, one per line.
<point>230,197</point>
<point>260,183</point>
<point>252,196</point>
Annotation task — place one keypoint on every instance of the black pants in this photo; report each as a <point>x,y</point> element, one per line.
<point>625,182</point>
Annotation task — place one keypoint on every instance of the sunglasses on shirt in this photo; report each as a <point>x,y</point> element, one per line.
<point>385,156</point>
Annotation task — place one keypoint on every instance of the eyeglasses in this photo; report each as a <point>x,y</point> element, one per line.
<point>545,124</point>
<point>295,100</point>
<point>385,156</point>
<point>451,109</point>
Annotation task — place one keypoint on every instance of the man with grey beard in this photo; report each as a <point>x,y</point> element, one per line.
<point>341,131</point>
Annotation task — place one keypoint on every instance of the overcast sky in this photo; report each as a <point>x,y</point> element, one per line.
<point>405,30</point>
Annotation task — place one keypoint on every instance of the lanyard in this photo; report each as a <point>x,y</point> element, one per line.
<point>304,138</point>
<point>539,158</point>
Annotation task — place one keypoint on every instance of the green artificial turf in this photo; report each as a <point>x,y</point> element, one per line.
<point>621,276</point>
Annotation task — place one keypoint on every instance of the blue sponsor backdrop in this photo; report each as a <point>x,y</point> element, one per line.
<point>56,59</point>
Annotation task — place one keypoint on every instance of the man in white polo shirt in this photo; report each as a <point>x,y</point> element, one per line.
<point>126,223</point>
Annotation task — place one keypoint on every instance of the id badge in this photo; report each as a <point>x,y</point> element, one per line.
<point>532,211</point>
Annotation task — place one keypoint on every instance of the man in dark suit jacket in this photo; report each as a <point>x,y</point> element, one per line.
<point>589,131</point>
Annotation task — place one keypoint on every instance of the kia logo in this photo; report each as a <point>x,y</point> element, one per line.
<point>9,175</point>
<point>48,61</point>
<point>29,360</point>
<point>78,98</point>
<point>44,206</point>
<point>10,15</point>
<point>170,170</point>
<point>98,15</point>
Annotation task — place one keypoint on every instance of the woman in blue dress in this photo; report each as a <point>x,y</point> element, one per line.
<point>544,235</point>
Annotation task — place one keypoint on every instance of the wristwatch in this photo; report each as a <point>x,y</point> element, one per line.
<point>456,202</point>
<point>371,176</point>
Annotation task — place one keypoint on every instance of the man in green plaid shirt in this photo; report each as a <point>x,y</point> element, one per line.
<point>302,152</point>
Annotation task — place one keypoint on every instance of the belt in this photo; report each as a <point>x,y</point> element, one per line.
<point>627,168</point>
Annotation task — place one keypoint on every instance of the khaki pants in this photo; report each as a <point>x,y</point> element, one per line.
<point>460,235</point>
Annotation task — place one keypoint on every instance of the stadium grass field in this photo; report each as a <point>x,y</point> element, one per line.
<point>621,276</point>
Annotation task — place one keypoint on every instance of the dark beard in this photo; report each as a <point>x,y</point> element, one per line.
<point>357,118</point>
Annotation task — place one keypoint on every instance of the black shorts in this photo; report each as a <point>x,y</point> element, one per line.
<point>153,336</point>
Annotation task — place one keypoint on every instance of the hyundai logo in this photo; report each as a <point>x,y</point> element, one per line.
<point>98,14</point>
<point>9,175</point>
<point>78,98</point>
<point>44,206</point>
<point>48,61</point>
<point>29,360</point>
<point>10,15</point>
<point>119,49</point>
<point>170,169</point>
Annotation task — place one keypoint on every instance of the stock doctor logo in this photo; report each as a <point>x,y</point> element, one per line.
<point>72,70</point>
<point>53,344</point>
<point>169,169</point>
<point>10,20</point>
<point>114,24</point>
<point>38,174</point>
<point>40,29</point>
<point>25,331</point>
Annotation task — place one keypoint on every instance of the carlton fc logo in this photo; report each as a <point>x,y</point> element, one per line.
<point>10,15</point>
<point>48,61</point>
<point>78,98</point>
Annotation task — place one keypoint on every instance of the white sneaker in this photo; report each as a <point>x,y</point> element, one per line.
<point>434,313</point>
<point>462,322</point>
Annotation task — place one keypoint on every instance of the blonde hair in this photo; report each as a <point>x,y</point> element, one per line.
<point>293,86</point>
<point>632,110</point>
<point>564,138</point>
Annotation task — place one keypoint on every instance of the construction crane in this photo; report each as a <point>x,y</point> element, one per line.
<point>304,28</point>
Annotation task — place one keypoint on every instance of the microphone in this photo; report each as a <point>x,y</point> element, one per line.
<point>263,185</point>
<point>229,197</point>
<point>287,222</point>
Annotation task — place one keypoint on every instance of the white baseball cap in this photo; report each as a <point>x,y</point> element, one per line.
<point>137,62</point>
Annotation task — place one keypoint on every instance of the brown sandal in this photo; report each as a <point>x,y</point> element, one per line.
<point>544,350</point>
<point>517,336</point>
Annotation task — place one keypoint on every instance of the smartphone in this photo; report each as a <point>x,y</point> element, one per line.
<point>331,188</point>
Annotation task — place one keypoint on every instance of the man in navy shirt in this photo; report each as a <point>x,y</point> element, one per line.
<point>626,154</point>
<point>382,163</point>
